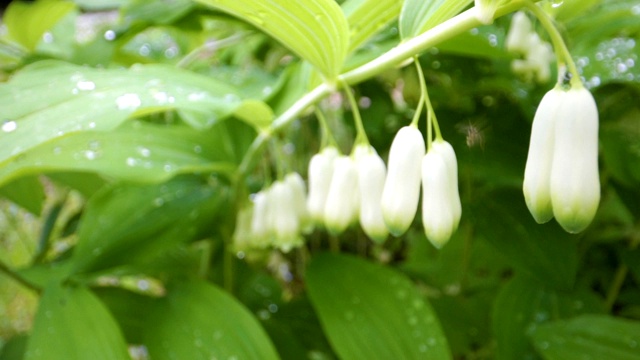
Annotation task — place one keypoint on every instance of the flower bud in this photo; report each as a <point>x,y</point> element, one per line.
<point>295,182</point>
<point>342,204</point>
<point>449,157</point>
<point>518,35</point>
<point>575,182</point>
<point>286,227</point>
<point>371,176</point>
<point>537,172</point>
<point>320,173</point>
<point>438,216</point>
<point>402,186</point>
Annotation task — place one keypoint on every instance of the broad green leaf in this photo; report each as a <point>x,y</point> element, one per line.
<point>418,16</point>
<point>160,12</point>
<point>523,304</point>
<point>137,151</point>
<point>50,99</point>
<point>315,30</point>
<point>367,17</point>
<point>545,252</point>
<point>255,113</point>
<point>371,312</point>
<point>26,192</point>
<point>71,323</point>
<point>132,224</point>
<point>589,336</point>
<point>198,321</point>
<point>27,22</point>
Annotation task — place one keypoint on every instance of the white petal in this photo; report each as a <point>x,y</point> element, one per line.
<point>449,157</point>
<point>537,173</point>
<point>320,173</point>
<point>437,209</point>
<point>575,182</point>
<point>298,188</point>
<point>402,185</point>
<point>342,204</point>
<point>286,226</point>
<point>518,35</point>
<point>371,176</point>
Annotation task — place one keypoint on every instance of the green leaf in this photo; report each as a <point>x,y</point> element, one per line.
<point>196,320</point>
<point>160,12</point>
<point>545,252</point>
<point>71,323</point>
<point>620,150</point>
<point>27,22</point>
<point>26,192</point>
<point>589,336</point>
<point>315,30</point>
<point>372,312</point>
<point>50,99</point>
<point>523,304</point>
<point>137,151</point>
<point>368,17</point>
<point>14,348</point>
<point>132,224</point>
<point>418,16</point>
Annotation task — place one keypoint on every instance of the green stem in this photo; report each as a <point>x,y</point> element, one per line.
<point>616,285</point>
<point>19,279</point>
<point>446,30</point>
<point>327,136</point>
<point>562,52</point>
<point>361,136</point>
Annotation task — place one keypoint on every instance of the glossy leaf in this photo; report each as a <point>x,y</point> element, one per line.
<point>69,98</point>
<point>523,304</point>
<point>196,320</point>
<point>139,152</point>
<point>67,314</point>
<point>26,192</point>
<point>418,16</point>
<point>367,17</point>
<point>545,252</point>
<point>315,30</point>
<point>372,312</point>
<point>131,224</point>
<point>589,336</point>
<point>27,22</point>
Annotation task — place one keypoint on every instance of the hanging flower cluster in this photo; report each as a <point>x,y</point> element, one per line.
<point>277,217</point>
<point>561,176</point>
<point>536,53</point>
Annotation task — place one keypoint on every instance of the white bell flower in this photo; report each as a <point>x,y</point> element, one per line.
<point>438,216</point>
<point>342,205</point>
<point>371,175</point>
<point>575,182</point>
<point>260,227</point>
<point>449,157</point>
<point>296,183</point>
<point>286,225</point>
<point>320,173</point>
<point>537,173</point>
<point>402,185</point>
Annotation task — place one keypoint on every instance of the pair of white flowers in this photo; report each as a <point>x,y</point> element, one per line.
<point>343,189</point>
<point>438,172</point>
<point>561,176</point>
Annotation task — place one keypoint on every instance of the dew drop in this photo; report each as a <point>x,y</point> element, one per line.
<point>143,285</point>
<point>158,202</point>
<point>349,316</point>
<point>128,102</point>
<point>145,152</point>
<point>273,308</point>
<point>557,3</point>
<point>91,154</point>
<point>131,162</point>
<point>47,37</point>
<point>197,149</point>
<point>85,85</point>
<point>9,126</point>
<point>109,35</point>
